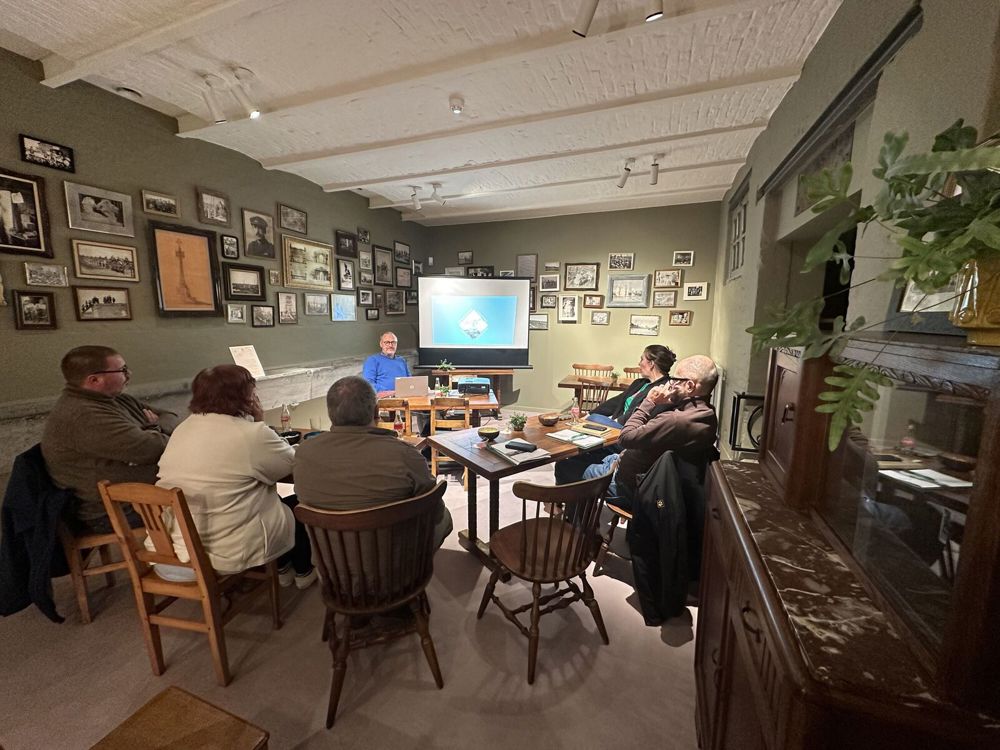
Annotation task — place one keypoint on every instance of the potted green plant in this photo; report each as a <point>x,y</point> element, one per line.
<point>943,208</point>
<point>445,366</point>
<point>614,378</point>
<point>517,421</point>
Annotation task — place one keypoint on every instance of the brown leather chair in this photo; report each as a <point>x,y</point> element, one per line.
<point>543,548</point>
<point>373,561</point>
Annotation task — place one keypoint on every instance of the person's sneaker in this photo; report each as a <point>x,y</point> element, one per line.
<point>286,576</point>
<point>305,580</point>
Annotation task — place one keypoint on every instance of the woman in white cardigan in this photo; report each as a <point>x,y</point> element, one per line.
<point>227,462</point>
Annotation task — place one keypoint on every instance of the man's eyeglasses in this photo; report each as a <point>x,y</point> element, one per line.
<point>679,380</point>
<point>123,370</point>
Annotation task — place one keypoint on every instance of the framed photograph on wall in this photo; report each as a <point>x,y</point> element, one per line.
<point>52,155</point>
<point>365,260</point>
<point>600,318</point>
<point>696,290</point>
<point>160,203</point>
<point>371,313</point>
<point>24,227</point>
<point>45,274</point>
<point>479,272</point>
<point>98,210</point>
<point>316,304</point>
<point>243,282</point>
<point>644,325</point>
<point>580,277</point>
<point>345,275</point>
<point>526,265</point>
<point>366,277</point>
<point>680,318</point>
<point>454,271</point>
<point>593,300</point>
<point>684,258</point>
<point>403,277</point>
<point>506,274</point>
<point>621,261</point>
<point>288,308</point>
<point>628,290</point>
<point>274,277</point>
<point>548,301</point>
<point>230,246</point>
<point>308,264</point>
<point>412,297</point>
<point>383,265</point>
<point>213,207</point>
<point>366,298</point>
<point>395,302</point>
<point>364,236</point>
<point>293,219</point>
<point>345,307</point>
<point>401,252</point>
<point>185,270</point>
<point>236,314</point>
<point>100,260</point>
<point>34,311</point>
<point>548,282</point>
<point>418,267</point>
<point>262,316</point>
<point>665,299</point>
<point>258,234</point>
<point>569,311</point>
<point>538,322</point>
<point>667,278</point>
<point>102,303</point>
<point>465,257</point>
<point>346,244</point>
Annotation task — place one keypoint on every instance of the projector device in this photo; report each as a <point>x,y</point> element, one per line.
<point>474,386</point>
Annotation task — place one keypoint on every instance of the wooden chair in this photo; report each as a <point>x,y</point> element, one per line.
<point>550,549</point>
<point>208,588</point>
<point>445,416</point>
<point>593,371</point>
<point>80,550</point>
<point>593,392</point>
<point>393,405</point>
<point>373,561</point>
<point>632,372</point>
<point>620,513</point>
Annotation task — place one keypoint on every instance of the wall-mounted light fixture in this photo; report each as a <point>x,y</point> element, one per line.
<point>435,195</point>
<point>654,169</point>
<point>584,17</point>
<point>241,91</point>
<point>212,85</point>
<point>626,171</point>
<point>654,10</point>
<point>414,199</point>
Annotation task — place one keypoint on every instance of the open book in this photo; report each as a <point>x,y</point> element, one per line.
<point>579,439</point>
<point>517,457</point>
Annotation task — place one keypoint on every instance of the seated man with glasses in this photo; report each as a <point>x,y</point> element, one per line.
<point>96,431</point>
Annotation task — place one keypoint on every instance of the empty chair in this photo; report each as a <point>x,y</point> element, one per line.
<point>449,413</point>
<point>374,561</point>
<point>542,548</point>
<point>208,588</point>
<point>632,372</point>
<point>592,392</point>
<point>593,371</point>
<point>390,406</point>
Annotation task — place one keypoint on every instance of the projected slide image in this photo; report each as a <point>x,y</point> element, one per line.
<point>473,320</point>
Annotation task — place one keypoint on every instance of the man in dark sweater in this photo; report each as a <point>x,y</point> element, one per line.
<point>96,431</point>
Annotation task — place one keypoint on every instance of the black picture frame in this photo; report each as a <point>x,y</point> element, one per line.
<point>480,272</point>
<point>262,316</point>
<point>371,313</point>
<point>346,275</point>
<point>222,215</point>
<point>229,246</point>
<point>918,320</point>
<point>169,275</point>
<point>572,281</point>
<point>32,236</point>
<point>293,219</point>
<point>346,244</point>
<point>46,153</point>
<point>383,265</point>
<point>23,314</point>
<point>92,309</point>
<point>404,277</point>
<point>229,290</point>
<point>401,252</point>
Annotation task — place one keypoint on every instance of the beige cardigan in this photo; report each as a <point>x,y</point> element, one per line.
<point>227,468</point>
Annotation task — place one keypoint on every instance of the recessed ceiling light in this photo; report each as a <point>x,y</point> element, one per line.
<point>456,104</point>
<point>128,93</point>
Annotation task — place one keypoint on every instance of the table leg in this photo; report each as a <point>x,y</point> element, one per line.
<point>494,506</point>
<point>469,538</point>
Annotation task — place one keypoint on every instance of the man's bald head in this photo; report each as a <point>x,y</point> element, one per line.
<point>701,370</point>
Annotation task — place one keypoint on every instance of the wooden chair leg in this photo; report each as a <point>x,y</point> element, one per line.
<point>217,639</point>
<point>536,591</point>
<point>605,546</point>
<point>274,593</point>
<point>327,626</point>
<point>73,557</point>
<point>488,593</point>
<point>150,632</point>
<point>595,610</point>
<point>425,641</point>
<point>340,649</point>
<point>105,552</point>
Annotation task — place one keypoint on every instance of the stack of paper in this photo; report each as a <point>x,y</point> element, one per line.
<point>579,439</point>
<point>517,457</point>
<point>926,479</point>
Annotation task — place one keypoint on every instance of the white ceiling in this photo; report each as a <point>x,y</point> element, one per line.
<point>355,93</point>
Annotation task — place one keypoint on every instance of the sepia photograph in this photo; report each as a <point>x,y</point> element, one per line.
<point>345,307</point>
<point>644,325</point>
<point>185,269</point>
<point>230,246</point>
<point>395,302</point>
<point>366,298</point>
<point>600,318</point>
<point>236,314</point>
<point>465,257</point>
<point>292,219</point>
<point>680,318</point>
<point>45,274</point>
<point>593,300</point>
<point>288,308</point>
<point>98,210</point>
<point>667,278</point>
<point>345,275</point>
<point>665,299</point>
<point>696,290</point>
<point>538,322</point>
<point>24,223</point>
<point>258,234</point>
<point>213,207</point>
<point>316,304</point>
<point>621,261</point>
<point>102,303</point>
<point>371,313</point>
<point>243,282</point>
<point>401,252</point>
<point>683,258</point>
<point>262,316</point>
<point>628,290</point>
<point>568,312</point>
<point>383,265</point>
<point>308,264</point>
<point>34,310</point>
<point>346,244</point>
<point>36,151</point>
<point>548,282</point>
<point>99,260</point>
<point>160,203</point>
<point>548,301</point>
<point>479,272</point>
<point>404,278</point>
<point>580,277</point>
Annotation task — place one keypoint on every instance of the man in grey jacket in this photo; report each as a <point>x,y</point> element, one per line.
<point>96,431</point>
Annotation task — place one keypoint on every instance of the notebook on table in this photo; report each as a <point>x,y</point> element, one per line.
<point>411,387</point>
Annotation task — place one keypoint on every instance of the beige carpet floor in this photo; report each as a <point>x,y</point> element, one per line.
<point>66,686</point>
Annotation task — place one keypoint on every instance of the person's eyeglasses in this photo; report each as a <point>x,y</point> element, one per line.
<point>679,380</point>
<point>123,370</point>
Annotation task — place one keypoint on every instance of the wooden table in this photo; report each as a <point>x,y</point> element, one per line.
<point>573,381</point>
<point>467,448</point>
<point>461,373</point>
<point>477,403</point>
<point>176,718</point>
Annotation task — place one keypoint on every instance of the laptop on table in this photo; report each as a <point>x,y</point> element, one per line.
<point>411,387</point>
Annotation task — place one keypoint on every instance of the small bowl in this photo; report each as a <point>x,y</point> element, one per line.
<point>549,420</point>
<point>292,436</point>
<point>489,434</point>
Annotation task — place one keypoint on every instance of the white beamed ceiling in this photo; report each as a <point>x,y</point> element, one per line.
<point>355,94</point>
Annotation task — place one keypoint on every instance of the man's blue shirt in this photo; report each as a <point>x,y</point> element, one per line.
<point>381,371</point>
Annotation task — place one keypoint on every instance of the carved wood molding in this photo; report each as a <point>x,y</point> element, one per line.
<point>923,381</point>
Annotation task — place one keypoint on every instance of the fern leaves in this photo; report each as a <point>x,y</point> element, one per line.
<point>855,392</point>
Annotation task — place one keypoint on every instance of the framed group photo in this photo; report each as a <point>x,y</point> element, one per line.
<point>160,204</point>
<point>185,270</point>
<point>401,253</point>
<point>667,278</point>
<point>683,258</point>
<point>34,311</point>
<point>308,264</point>
<point>548,282</point>
<point>102,303</point>
<point>479,272</point>
<point>243,282</point>
<point>316,304</point>
<point>24,222</point>
<point>52,155</point>
<point>45,274</point>
<point>100,260</point>
<point>621,261</point>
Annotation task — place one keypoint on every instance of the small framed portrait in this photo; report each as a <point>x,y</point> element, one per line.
<point>345,275</point>
<point>99,260</point>
<point>696,290</point>
<point>412,297</point>
<point>365,260</point>
<point>371,313</point>
<point>366,277</point>
<point>600,317</point>
<point>548,282</point>
<point>479,272</point>
<point>309,265</point>
<point>684,258</point>
<point>383,265</point>
<point>401,252</point>
<point>548,301</point>
<point>160,203</point>
<point>243,282</point>
<point>230,246</point>
<point>418,267</point>
<point>364,236</point>
<point>52,155</point>
<point>98,210</point>
<point>34,311</point>
<point>45,274</point>
<point>258,234</point>
<point>506,274</point>
<point>236,314</point>
<point>345,307</point>
<point>454,271</point>
<point>366,298</point>
<point>288,308</point>
<point>593,300</point>
<point>292,219</point>
<point>213,207</point>
<point>404,278</point>
<point>25,225</point>
<point>465,257</point>
<point>665,298</point>
<point>538,322</point>
<point>262,316</point>
<point>185,270</point>
<point>346,244</point>
<point>628,290</point>
<point>274,277</point>
<point>580,277</point>
<point>644,325</point>
<point>621,261</point>
<point>395,302</point>
<point>102,303</point>
<point>569,308</point>
<point>526,265</point>
<point>680,318</point>
<point>316,304</point>
<point>667,278</point>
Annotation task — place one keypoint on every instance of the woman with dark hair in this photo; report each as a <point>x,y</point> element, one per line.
<point>227,462</point>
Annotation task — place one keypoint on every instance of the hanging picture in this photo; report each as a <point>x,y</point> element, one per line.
<point>365,260</point>
<point>479,272</point>
<point>288,308</point>
<point>100,260</point>
<point>667,278</point>
<point>102,303</point>
<point>346,244</point>
<point>507,274</point>
<point>548,301</point>
<point>243,282</point>
<point>262,316</point>
<point>383,265</point>
<point>34,311</point>
<point>185,270</point>
<point>403,277</point>
<point>371,313</point>
<point>644,325</point>
<point>465,257</point>
<point>213,207</point>
<point>454,271</point>
<point>345,275</point>
<point>538,322</point>
<point>52,155</point>
<point>593,300</point>
<point>526,265</point>
<point>258,234</point>
<point>628,290</point>
<point>308,264</point>
<point>395,302</point>
<point>621,261</point>
<point>274,277</point>
<point>345,307</point>
<point>45,274</point>
<point>24,222</point>
<point>401,253</point>
<point>316,304</point>
<point>230,246</point>
<point>236,314</point>
<point>680,318</point>
<point>532,294</point>
<point>366,298</point>
<point>580,277</point>
<point>600,318</point>
<point>683,258</point>
<point>364,237</point>
<point>568,308</point>
<point>696,290</point>
<point>548,282</point>
<point>412,297</point>
<point>418,267</point>
<point>98,210</point>
<point>366,277</point>
<point>160,203</point>
<point>665,299</point>
<point>292,219</point>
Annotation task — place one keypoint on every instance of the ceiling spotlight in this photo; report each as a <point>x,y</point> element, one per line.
<point>435,195</point>
<point>212,99</point>
<point>626,171</point>
<point>128,93</point>
<point>655,10</point>
<point>414,200</point>
<point>241,91</point>
<point>654,169</point>
<point>456,104</point>
<point>584,17</point>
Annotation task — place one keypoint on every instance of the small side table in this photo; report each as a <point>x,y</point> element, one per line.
<point>176,718</point>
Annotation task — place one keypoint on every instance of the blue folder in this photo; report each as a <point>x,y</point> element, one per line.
<point>606,421</point>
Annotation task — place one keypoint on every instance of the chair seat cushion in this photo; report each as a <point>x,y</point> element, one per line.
<point>539,534</point>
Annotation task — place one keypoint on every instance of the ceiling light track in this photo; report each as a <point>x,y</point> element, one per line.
<point>654,169</point>
<point>626,171</point>
<point>414,198</point>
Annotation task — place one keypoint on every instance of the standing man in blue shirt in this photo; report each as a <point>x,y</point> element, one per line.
<point>382,369</point>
